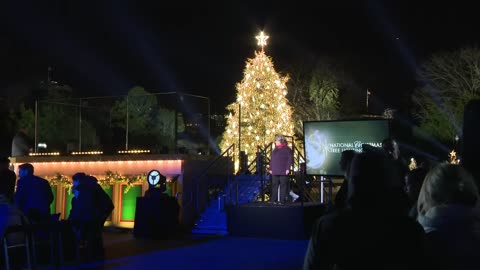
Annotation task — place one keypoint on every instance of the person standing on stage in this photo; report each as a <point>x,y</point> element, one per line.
<point>280,163</point>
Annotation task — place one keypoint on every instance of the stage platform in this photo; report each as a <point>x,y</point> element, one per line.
<point>262,219</point>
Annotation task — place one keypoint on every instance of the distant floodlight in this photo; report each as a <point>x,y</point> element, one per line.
<point>42,145</point>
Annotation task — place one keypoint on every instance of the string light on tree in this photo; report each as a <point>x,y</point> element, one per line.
<point>261,109</point>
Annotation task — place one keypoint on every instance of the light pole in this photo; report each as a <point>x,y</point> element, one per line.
<point>239,129</point>
<point>368,95</point>
<point>80,125</point>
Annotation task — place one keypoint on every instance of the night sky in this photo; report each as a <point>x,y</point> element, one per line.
<point>106,47</point>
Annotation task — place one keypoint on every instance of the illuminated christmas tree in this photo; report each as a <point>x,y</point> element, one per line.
<point>261,110</point>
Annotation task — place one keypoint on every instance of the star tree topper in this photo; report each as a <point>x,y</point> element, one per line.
<point>262,39</point>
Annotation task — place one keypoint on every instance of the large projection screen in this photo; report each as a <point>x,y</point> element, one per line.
<point>325,140</point>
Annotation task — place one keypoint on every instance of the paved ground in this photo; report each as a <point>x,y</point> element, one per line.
<point>123,252</point>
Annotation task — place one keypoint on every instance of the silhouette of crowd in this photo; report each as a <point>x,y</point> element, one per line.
<point>25,205</point>
<point>27,209</point>
<point>389,217</point>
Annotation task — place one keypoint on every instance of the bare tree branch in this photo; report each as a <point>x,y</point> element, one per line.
<point>451,80</point>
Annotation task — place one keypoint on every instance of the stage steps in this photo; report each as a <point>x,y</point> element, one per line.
<point>214,219</point>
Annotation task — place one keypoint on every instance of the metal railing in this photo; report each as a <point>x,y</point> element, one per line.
<point>228,153</point>
<point>311,188</point>
<point>160,122</point>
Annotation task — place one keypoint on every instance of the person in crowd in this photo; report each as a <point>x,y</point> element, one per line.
<point>448,211</point>
<point>470,144</point>
<point>369,233</point>
<point>280,162</point>
<point>11,215</point>
<point>33,195</point>
<point>345,162</point>
<point>8,178</point>
<point>91,207</point>
<point>21,145</point>
<point>399,167</point>
<point>413,184</point>
<point>392,150</point>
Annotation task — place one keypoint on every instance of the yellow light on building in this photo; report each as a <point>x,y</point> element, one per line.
<point>44,154</point>
<point>88,153</point>
<point>134,151</point>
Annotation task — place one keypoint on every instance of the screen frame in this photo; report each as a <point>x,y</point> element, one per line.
<point>389,134</point>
